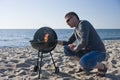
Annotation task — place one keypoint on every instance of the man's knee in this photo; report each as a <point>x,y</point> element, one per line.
<point>87,63</point>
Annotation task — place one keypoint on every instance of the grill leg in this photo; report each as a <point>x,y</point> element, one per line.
<point>36,67</point>
<point>52,60</point>
<point>40,64</point>
<point>38,58</point>
<point>56,68</point>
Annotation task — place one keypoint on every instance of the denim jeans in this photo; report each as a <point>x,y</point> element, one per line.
<point>68,52</point>
<point>88,60</point>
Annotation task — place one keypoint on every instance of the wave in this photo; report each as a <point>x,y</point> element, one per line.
<point>116,38</point>
<point>5,40</point>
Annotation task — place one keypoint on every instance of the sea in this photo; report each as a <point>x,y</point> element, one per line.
<point>21,37</point>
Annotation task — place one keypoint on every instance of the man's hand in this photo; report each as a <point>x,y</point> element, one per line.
<point>71,46</point>
<point>60,42</point>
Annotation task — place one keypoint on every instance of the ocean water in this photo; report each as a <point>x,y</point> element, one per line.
<point>21,37</point>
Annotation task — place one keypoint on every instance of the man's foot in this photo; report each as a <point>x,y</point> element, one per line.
<point>81,70</point>
<point>102,72</point>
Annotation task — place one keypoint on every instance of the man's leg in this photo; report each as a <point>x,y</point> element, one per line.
<point>92,60</point>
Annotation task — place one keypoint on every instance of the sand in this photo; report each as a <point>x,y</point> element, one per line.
<point>18,64</point>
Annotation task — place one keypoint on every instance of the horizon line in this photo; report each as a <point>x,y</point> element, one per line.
<point>56,28</point>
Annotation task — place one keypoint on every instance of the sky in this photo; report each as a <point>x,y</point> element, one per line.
<point>33,14</point>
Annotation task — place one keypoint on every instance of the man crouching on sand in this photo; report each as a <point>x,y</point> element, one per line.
<point>89,49</point>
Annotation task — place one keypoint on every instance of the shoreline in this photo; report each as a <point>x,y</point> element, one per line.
<point>17,63</point>
<point>30,44</point>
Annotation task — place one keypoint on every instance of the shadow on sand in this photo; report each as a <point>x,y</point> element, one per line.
<point>113,76</point>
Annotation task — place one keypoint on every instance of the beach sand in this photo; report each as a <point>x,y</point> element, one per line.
<point>18,64</point>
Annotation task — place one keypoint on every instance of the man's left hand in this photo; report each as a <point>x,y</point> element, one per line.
<point>71,46</point>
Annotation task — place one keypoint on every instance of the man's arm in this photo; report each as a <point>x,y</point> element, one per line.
<point>70,40</point>
<point>84,37</point>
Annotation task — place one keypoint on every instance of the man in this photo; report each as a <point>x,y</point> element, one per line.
<point>89,49</point>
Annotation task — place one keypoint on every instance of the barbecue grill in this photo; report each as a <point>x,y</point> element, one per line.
<point>45,40</point>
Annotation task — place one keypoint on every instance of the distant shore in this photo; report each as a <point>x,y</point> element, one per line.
<point>17,64</point>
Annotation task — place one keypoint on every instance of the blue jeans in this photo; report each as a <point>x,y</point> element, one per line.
<point>88,60</point>
<point>68,52</point>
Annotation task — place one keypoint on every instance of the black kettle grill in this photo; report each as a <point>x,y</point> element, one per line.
<point>45,40</point>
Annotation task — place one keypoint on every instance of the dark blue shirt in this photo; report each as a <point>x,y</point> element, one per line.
<point>86,38</point>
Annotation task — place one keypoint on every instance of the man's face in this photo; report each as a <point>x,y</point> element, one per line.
<point>71,21</point>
